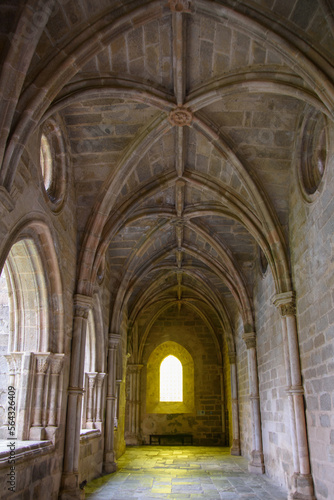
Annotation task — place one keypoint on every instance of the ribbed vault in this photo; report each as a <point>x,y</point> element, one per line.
<point>181,155</point>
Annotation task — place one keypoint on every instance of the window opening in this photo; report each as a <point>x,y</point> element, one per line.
<point>46,161</point>
<point>171,379</point>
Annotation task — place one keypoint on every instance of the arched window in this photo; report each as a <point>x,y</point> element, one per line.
<point>46,161</point>
<point>171,379</point>
<point>26,363</point>
<point>52,159</point>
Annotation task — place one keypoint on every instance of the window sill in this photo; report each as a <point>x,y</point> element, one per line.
<point>89,433</point>
<point>22,450</point>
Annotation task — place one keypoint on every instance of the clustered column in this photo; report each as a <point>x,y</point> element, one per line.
<point>302,480</point>
<point>109,453</point>
<point>70,486</point>
<point>235,449</point>
<point>134,403</point>
<point>257,462</point>
<point>56,364</point>
<point>99,385</point>
<point>37,431</point>
<point>90,400</point>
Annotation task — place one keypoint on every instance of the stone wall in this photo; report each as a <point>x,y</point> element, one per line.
<point>245,421</point>
<point>312,251</point>
<point>91,455</point>
<point>274,404</point>
<point>205,422</point>
<point>38,469</point>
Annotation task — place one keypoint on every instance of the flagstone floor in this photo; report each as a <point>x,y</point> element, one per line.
<point>180,473</point>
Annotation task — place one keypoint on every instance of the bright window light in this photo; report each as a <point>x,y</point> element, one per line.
<point>46,161</point>
<point>171,379</point>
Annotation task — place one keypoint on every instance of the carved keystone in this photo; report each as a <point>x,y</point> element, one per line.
<point>179,5</point>
<point>180,116</point>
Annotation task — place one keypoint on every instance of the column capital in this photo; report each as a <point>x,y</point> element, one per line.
<point>42,361</point>
<point>14,360</point>
<point>113,340</point>
<point>99,379</point>
<point>286,303</point>
<point>56,363</point>
<point>91,379</point>
<point>250,340</point>
<point>82,305</point>
<point>134,367</point>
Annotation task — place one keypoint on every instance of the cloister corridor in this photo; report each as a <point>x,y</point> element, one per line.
<point>182,472</point>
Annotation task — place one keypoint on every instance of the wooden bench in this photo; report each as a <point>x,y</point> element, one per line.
<point>167,439</point>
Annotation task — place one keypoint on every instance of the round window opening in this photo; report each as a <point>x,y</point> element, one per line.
<point>52,163</point>
<point>314,146</point>
<point>46,161</point>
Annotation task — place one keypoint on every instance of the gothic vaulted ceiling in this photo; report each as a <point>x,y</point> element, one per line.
<point>183,120</point>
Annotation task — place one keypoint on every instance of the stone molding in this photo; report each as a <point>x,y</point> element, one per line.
<point>6,202</point>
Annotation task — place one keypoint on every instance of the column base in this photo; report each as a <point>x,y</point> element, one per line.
<point>133,440</point>
<point>256,465</point>
<point>109,464</point>
<point>235,448</point>
<point>70,488</point>
<point>302,487</point>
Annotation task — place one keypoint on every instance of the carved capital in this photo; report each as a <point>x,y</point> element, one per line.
<point>91,379</point>
<point>82,305</point>
<point>179,5</point>
<point>113,340</point>
<point>180,116</point>
<point>99,379</point>
<point>286,303</point>
<point>14,360</point>
<point>250,340</point>
<point>56,363</point>
<point>134,368</point>
<point>42,362</point>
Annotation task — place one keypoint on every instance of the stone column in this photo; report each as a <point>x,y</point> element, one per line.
<point>90,400</point>
<point>235,449</point>
<point>109,453</point>
<point>302,482</point>
<point>98,414</point>
<point>37,431</point>
<point>70,485</point>
<point>118,387</point>
<point>134,404</point>
<point>56,365</point>
<point>256,464</point>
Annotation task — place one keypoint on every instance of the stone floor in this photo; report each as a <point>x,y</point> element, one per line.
<point>182,472</point>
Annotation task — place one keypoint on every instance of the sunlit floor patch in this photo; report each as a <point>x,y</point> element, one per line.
<point>182,472</point>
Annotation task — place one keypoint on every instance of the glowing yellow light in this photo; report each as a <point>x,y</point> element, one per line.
<point>171,379</point>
